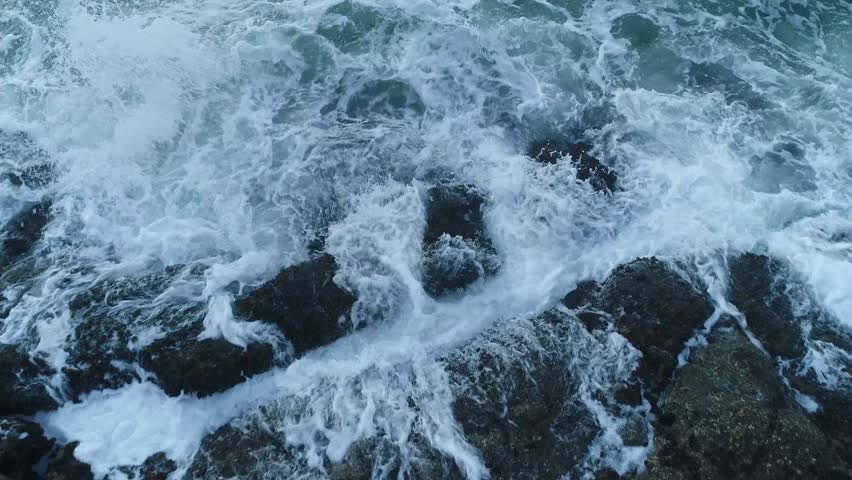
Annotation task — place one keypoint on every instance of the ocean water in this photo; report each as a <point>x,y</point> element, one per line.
<point>229,134</point>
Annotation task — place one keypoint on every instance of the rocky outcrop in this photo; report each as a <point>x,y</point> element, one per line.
<point>652,306</point>
<point>517,403</point>
<point>304,302</point>
<point>23,390</point>
<point>99,356</point>
<point>110,340</point>
<point>22,445</point>
<point>23,231</point>
<point>183,363</point>
<point>157,467</point>
<point>63,465</point>
<point>120,326</point>
<point>239,451</point>
<point>456,249</point>
<point>758,290</point>
<point>542,397</point>
<point>589,168</point>
<point>379,458</point>
<point>727,415</point>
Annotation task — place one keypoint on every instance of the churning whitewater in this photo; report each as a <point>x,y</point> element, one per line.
<point>310,239</point>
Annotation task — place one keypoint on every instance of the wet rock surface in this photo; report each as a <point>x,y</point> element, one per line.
<point>183,363</point>
<point>22,445</point>
<point>23,231</point>
<point>827,383</point>
<point>25,163</point>
<point>63,465</point>
<point>456,249</point>
<point>728,415</point>
<point>517,403</point>
<point>379,458</point>
<point>240,451</point>
<point>652,306</point>
<point>117,331</point>
<point>589,168</point>
<point>100,357</point>
<point>23,389</point>
<point>520,404</point>
<point>758,290</point>
<point>157,467</point>
<point>304,302</point>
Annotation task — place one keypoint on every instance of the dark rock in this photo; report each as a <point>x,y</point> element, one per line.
<point>456,211</point>
<point>183,363</point>
<point>235,452</point>
<point>657,310</point>
<point>379,458</point>
<point>106,346</point>
<point>456,249</point>
<point>101,357</point>
<point>601,177</point>
<point>23,231</point>
<point>64,466</point>
<point>157,467</point>
<point>22,387</point>
<point>727,415</point>
<point>22,445</point>
<point>834,413</point>
<point>521,411</point>
<point>607,474</point>
<point>593,321</point>
<point>584,295</point>
<point>758,290</point>
<point>634,432</point>
<point>305,304</point>
<point>630,394</point>
<point>452,264</point>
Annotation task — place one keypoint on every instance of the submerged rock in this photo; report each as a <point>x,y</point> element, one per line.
<point>652,306</point>
<point>456,249</point>
<point>728,415</point>
<point>601,177</point>
<point>23,231</point>
<point>22,445</point>
<point>713,77</point>
<point>22,385</point>
<point>63,465</point>
<point>304,303</point>
<point>638,29</point>
<point>35,176</point>
<point>29,163</point>
<point>782,168</point>
<point>518,404</point>
<point>758,290</point>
